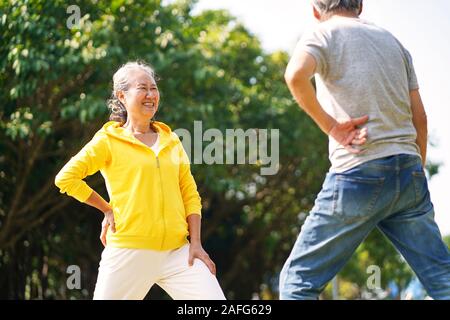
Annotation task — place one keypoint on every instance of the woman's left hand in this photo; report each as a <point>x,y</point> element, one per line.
<point>196,251</point>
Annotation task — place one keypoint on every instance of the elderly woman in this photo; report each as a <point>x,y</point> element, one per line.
<point>154,205</point>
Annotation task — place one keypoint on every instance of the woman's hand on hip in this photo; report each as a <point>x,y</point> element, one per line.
<point>108,221</point>
<point>196,251</point>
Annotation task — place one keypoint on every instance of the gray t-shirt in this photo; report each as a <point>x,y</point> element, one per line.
<point>363,69</point>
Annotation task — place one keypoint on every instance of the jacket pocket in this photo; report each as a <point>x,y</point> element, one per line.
<point>355,196</point>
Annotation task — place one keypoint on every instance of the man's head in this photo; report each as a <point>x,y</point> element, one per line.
<point>324,9</point>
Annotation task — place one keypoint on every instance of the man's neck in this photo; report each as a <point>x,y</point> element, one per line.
<point>340,13</point>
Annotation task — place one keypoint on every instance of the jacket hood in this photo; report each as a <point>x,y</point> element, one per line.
<point>115,130</point>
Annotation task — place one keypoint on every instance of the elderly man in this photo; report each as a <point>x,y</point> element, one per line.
<point>369,105</point>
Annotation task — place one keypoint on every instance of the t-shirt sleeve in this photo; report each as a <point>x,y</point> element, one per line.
<point>412,78</point>
<point>315,43</point>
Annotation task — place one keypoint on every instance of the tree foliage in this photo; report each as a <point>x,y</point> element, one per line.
<point>55,81</point>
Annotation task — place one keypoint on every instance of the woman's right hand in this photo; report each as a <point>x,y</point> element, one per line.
<point>108,221</point>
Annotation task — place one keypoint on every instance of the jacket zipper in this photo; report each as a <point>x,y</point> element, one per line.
<point>162,201</point>
<point>158,166</point>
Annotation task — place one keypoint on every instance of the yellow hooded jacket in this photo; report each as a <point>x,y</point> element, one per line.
<point>150,195</point>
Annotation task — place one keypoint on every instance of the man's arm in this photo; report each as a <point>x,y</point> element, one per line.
<point>298,75</point>
<point>419,118</point>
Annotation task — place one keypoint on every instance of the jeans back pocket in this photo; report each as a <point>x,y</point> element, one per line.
<point>356,196</point>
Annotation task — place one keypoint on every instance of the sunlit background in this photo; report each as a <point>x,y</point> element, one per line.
<point>422,26</point>
<point>55,78</point>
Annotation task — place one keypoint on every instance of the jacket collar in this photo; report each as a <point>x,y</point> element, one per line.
<point>115,130</point>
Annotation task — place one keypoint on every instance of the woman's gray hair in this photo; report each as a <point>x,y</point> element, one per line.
<point>121,82</point>
<point>326,6</point>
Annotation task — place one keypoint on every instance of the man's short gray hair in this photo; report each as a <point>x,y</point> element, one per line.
<point>326,6</point>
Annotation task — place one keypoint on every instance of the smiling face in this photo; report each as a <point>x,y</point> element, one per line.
<point>141,99</point>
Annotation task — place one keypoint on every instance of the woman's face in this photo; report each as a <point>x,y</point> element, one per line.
<point>142,97</point>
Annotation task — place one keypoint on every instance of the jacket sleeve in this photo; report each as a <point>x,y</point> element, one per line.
<point>94,156</point>
<point>188,187</point>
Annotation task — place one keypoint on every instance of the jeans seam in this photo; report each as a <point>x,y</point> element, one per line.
<point>397,189</point>
<point>416,191</point>
<point>415,176</point>
<point>333,206</point>
<point>375,198</point>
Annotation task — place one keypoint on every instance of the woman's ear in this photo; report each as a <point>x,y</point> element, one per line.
<point>121,96</point>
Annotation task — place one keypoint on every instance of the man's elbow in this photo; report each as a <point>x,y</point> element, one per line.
<point>424,118</point>
<point>421,119</point>
<point>289,76</point>
<point>294,78</point>
<point>421,124</point>
<point>425,121</point>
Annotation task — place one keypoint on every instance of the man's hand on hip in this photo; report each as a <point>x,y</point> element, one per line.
<point>349,135</point>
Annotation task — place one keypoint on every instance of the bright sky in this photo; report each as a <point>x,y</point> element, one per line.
<point>422,26</point>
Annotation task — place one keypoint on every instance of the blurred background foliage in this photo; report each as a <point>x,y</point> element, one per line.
<point>54,82</point>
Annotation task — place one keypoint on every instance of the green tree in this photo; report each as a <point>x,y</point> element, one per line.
<point>55,81</point>
<point>447,240</point>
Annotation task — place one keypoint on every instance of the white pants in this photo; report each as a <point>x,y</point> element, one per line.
<point>130,273</point>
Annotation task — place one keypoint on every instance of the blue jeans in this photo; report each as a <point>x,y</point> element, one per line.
<point>389,193</point>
